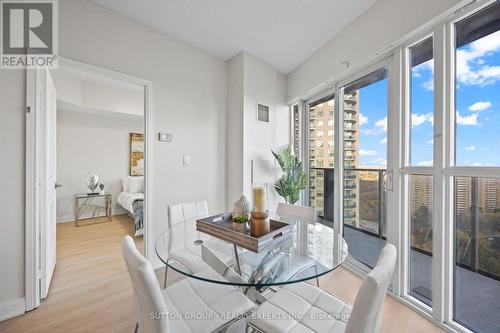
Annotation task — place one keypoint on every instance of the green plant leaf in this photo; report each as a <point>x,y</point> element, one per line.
<point>293,179</point>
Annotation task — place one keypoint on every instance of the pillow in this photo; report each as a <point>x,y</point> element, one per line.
<point>135,184</point>
<point>124,184</point>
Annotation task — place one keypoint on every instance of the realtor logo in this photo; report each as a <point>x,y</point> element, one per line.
<point>29,34</point>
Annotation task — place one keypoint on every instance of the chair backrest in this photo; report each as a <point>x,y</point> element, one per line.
<point>147,293</point>
<point>186,211</point>
<point>365,315</point>
<point>181,233</point>
<point>294,210</point>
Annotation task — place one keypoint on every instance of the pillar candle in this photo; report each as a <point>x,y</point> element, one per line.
<point>259,199</point>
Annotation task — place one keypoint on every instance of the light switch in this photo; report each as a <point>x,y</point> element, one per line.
<point>186,160</point>
<point>165,137</point>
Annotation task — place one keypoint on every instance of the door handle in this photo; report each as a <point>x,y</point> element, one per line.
<point>387,180</point>
<point>57,185</point>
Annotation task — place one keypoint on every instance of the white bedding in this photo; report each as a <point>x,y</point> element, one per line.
<point>126,200</point>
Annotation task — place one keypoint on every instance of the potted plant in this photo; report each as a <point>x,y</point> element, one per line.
<point>293,179</point>
<point>240,223</point>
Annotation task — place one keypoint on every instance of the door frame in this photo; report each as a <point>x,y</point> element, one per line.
<point>32,206</point>
<point>391,61</point>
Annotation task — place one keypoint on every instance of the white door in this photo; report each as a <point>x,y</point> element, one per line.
<point>47,178</point>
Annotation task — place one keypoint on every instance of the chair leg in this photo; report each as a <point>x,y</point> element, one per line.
<point>317,278</point>
<point>136,327</point>
<point>165,280</point>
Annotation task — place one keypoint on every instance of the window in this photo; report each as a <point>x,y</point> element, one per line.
<point>477,81</point>
<point>477,252</point>
<point>365,160</point>
<point>421,208</point>
<point>476,197</point>
<point>322,160</point>
<point>420,117</point>
<point>421,97</point>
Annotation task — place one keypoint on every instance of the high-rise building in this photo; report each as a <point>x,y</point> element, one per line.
<point>321,153</point>
<point>296,130</point>
<point>421,193</point>
<point>351,158</point>
<point>463,186</point>
<point>487,194</point>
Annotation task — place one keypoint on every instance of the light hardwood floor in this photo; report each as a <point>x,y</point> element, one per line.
<point>91,291</point>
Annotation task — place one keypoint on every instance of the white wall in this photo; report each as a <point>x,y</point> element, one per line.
<point>69,87</point>
<point>251,81</point>
<point>78,92</point>
<point>234,130</point>
<point>189,97</point>
<point>104,97</point>
<point>377,28</point>
<point>12,173</point>
<point>263,84</point>
<point>89,144</point>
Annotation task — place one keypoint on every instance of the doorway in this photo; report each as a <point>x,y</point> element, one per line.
<point>87,162</point>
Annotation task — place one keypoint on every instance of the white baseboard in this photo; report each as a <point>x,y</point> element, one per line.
<point>71,217</point>
<point>12,308</point>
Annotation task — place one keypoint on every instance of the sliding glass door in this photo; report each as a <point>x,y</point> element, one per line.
<point>364,143</point>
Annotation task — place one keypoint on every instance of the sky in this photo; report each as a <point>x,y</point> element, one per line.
<point>477,110</point>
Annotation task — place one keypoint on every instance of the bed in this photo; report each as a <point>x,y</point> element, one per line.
<point>132,200</point>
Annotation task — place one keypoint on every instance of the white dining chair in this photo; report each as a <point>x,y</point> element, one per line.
<point>302,307</point>
<point>162,311</point>
<point>295,210</point>
<point>182,235</point>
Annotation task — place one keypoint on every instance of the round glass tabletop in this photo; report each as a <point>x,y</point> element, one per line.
<point>308,251</point>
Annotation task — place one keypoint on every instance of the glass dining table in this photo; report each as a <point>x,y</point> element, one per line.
<point>310,250</point>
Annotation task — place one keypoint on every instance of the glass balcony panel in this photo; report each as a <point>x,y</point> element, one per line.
<point>421,238</point>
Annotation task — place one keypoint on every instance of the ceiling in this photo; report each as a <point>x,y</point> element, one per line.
<point>282,33</point>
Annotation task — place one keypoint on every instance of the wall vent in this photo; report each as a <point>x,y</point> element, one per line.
<point>263,113</point>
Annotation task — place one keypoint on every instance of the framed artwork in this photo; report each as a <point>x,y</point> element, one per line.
<point>136,154</point>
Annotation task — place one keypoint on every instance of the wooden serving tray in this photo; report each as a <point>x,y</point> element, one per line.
<point>221,226</point>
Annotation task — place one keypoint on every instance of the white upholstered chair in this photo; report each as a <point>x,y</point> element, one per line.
<point>302,307</point>
<point>183,234</point>
<point>161,311</point>
<point>294,210</point>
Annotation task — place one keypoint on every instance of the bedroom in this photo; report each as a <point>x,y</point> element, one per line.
<point>99,163</point>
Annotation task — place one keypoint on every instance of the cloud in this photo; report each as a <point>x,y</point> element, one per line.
<point>380,127</point>
<point>378,161</point>
<point>470,148</point>
<point>425,163</point>
<point>471,67</point>
<point>430,142</point>
<point>470,120</point>
<point>362,119</point>
<point>429,84</point>
<point>419,119</point>
<point>383,141</point>
<point>480,106</point>
<point>363,152</point>
<point>382,123</point>
<point>426,66</point>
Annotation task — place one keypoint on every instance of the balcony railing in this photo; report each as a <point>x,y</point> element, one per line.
<point>363,184</point>
<point>364,211</point>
